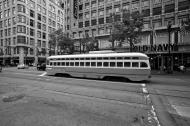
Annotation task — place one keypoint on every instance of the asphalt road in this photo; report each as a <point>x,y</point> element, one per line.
<point>29,97</point>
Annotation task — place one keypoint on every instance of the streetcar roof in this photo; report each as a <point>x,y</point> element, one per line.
<point>100,55</point>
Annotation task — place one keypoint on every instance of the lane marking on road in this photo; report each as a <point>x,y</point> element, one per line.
<point>152,116</point>
<point>43,74</point>
<point>182,110</point>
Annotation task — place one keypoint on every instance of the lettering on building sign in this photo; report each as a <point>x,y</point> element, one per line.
<point>75,8</point>
<point>156,48</point>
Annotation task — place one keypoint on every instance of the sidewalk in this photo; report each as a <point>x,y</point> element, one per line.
<point>174,73</point>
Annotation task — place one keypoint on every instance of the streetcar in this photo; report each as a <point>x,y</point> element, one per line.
<point>132,66</point>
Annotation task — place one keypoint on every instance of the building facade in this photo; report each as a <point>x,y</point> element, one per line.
<point>24,29</point>
<point>92,17</point>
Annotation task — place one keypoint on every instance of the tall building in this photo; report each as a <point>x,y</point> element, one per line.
<point>92,17</point>
<point>24,29</point>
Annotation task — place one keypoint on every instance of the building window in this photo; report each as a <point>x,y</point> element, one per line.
<point>117,8</point>
<point>13,11</point>
<point>80,7</point>
<point>146,3</point>
<point>146,12</point>
<point>101,12</point>
<point>87,23</point>
<point>44,19</point>
<point>21,8</point>
<point>21,29</point>
<point>1,24</point>
<point>39,25</point>
<point>109,10</point>
<point>9,31</point>
<point>32,14</point>
<point>93,22</point>
<point>5,23</point>
<point>157,1</point>
<point>80,24</point>
<point>32,23</point>
<point>5,13</point>
<point>39,43</point>
<point>14,30</point>
<point>32,4</point>
<point>38,34</point>
<point>44,35</point>
<point>21,18</point>
<point>157,11</point>
<point>169,8</point>
<point>87,15</point>
<point>44,27</point>
<point>43,44</point>
<point>31,41</point>
<point>81,16</point>
<point>14,40</point>
<point>1,15</point>
<point>183,5</point>
<point>21,39</point>
<point>14,20</point>
<point>1,33</point>
<point>100,31</point>
<point>31,32</point>
<point>39,8</point>
<point>101,20</point>
<point>39,17</point>
<point>87,5</point>
<point>43,11</point>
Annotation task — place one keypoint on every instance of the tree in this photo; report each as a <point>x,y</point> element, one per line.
<point>60,39</point>
<point>88,43</point>
<point>65,43</point>
<point>115,33</point>
<point>129,28</point>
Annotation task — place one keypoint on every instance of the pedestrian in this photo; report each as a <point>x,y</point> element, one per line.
<point>182,68</point>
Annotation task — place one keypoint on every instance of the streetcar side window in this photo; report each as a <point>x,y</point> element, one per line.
<point>112,58</point>
<point>126,58</point>
<point>99,64</point>
<point>87,63</point>
<point>58,63</point>
<point>93,58</point>
<point>143,64</point>
<point>93,63</point>
<point>105,58</point>
<point>105,64</point>
<point>119,64</point>
<point>135,64</point>
<point>99,58</point>
<point>51,63</point>
<point>112,64</point>
<point>119,58</point>
<point>67,63</point>
<point>71,63</point>
<point>63,63</point>
<point>135,58</point>
<point>76,63</point>
<point>127,64</point>
<point>81,63</point>
<point>54,63</point>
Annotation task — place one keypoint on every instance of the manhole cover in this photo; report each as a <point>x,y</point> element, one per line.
<point>13,98</point>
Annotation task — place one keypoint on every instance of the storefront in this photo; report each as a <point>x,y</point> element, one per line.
<point>160,55</point>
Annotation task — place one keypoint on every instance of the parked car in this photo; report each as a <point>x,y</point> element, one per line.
<point>41,66</point>
<point>22,66</point>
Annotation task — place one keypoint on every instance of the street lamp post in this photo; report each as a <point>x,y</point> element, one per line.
<point>169,69</point>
